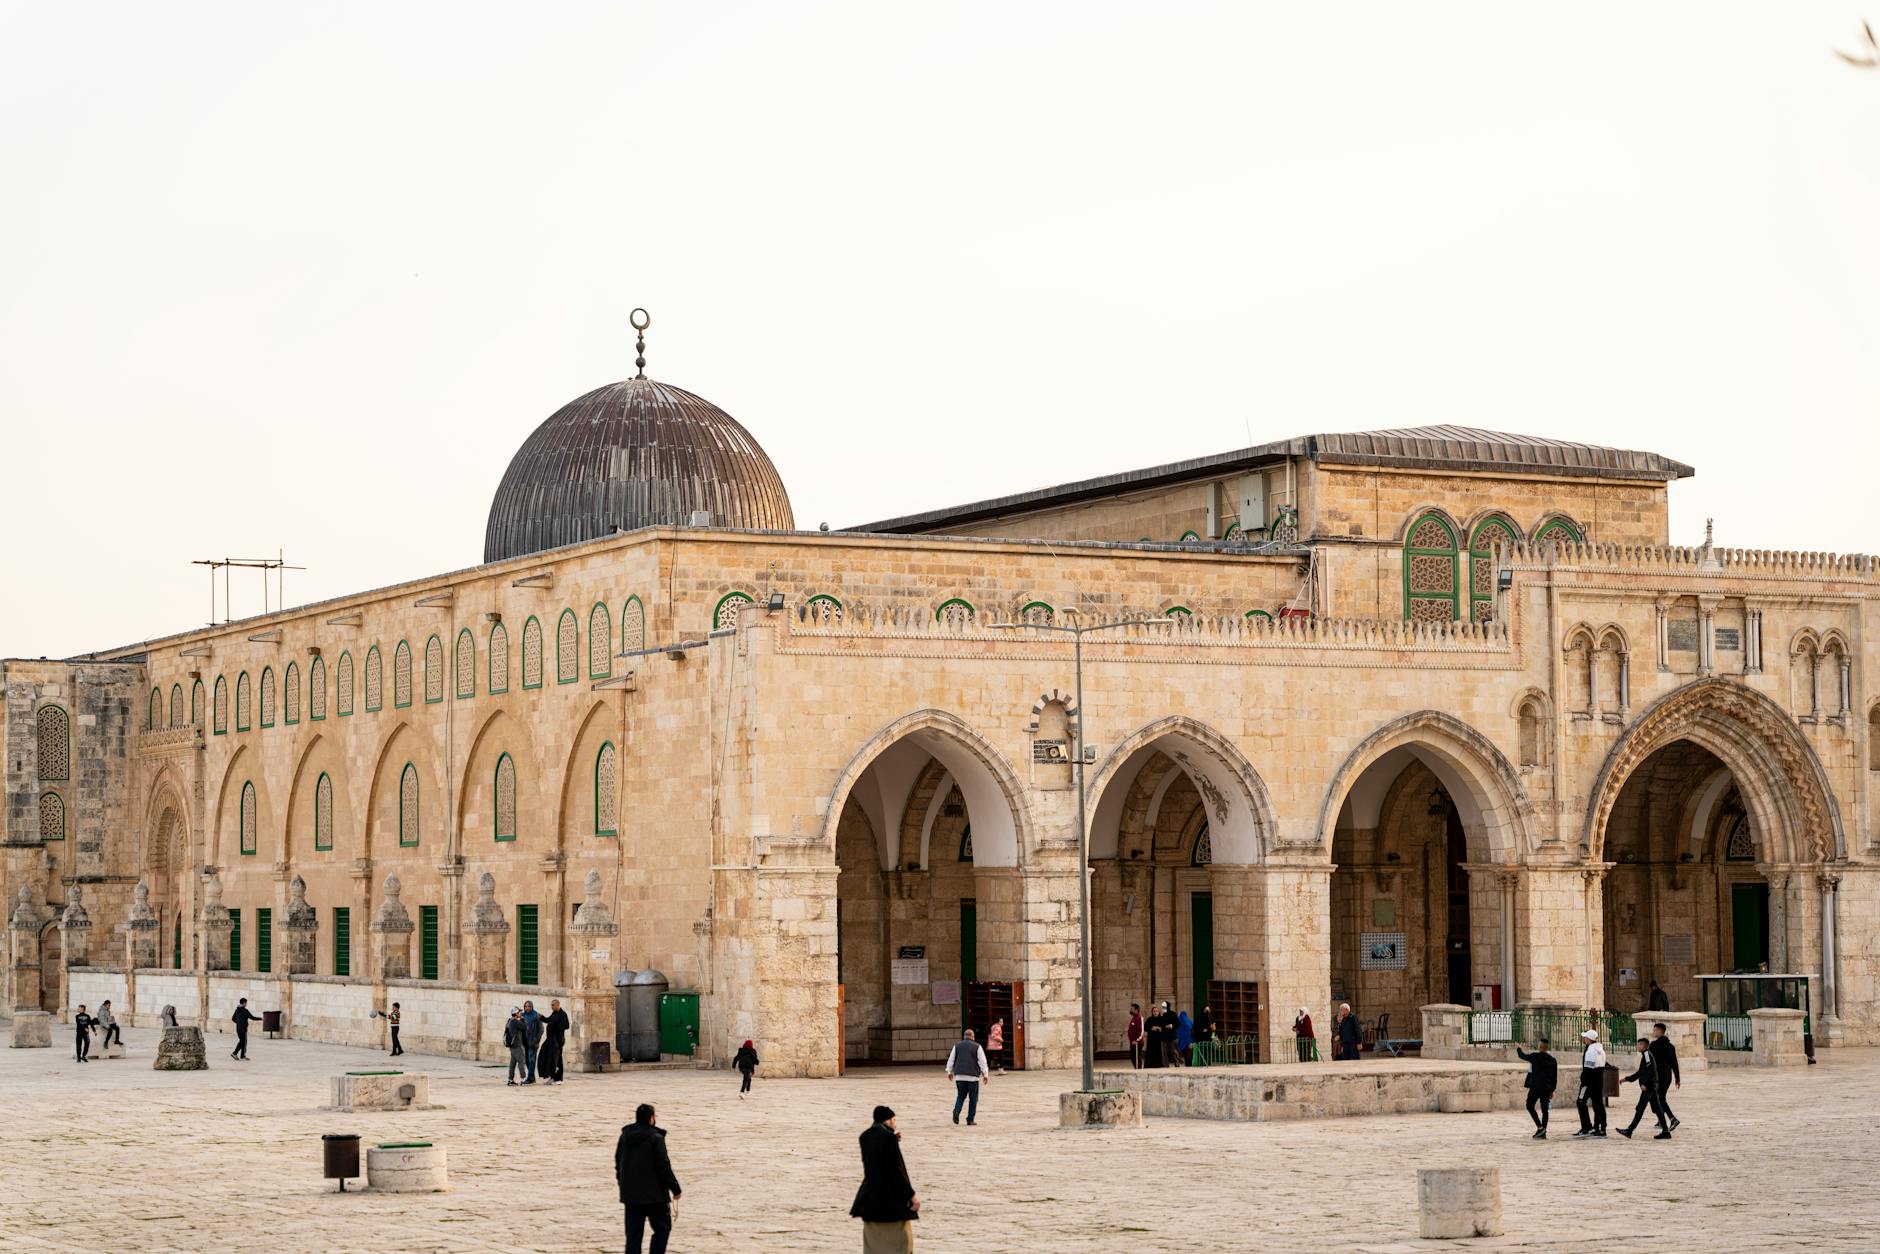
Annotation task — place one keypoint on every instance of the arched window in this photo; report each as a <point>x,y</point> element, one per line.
<point>343,685</point>
<point>290,694</point>
<point>1489,533</point>
<point>725,613</point>
<point>401,675</point>
<point>1429,572</point>
<point>267,696</point>
<point>176,705</point>
<point>1190,537</point>
<point>955,612</point>
<point>248,818</point>
<point>466,665</point>
<point>316,689</point>
<point>824,608</point>
<point>323,812</point>
<point>1740,844</point>
<point>433,671</point>
<point>505,798</point>
<point>375,677</point>
<point>567,649</point>
<point>221,704</point>
<point>600,642</point>
<point>607,791</point>
<point>153,713</point>
<point>1181,612</point>
<point>1251,614</point>
<point>1559,529</point>
<point>195,703</point>
<point>1533,734</point>
<point>408,808</point>
<point>499,658</point>
<point>966,844</point>
<point>632,625</point>
<point>532,653</point>
<point>1203,851</point>
<point>1036,612</point>
<point>244,703</point>
<point>51,816</point>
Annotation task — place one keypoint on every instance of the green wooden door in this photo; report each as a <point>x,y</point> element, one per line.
<point>234,940</point>
<point>1749,926</point>
<point>264,940</point>
<point>342,940</point>
<point>427,942</point>
<point>678,1023</point>
<point>1201,915</point>
<point>527,955</point>
<point>176,958</point>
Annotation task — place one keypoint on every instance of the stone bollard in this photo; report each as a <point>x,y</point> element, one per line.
<point>32,1029</point>
<point>1459,1202</point>
<point>407,1167</point>
<point>381,1090</point>
<point>181,1050</point>
<point>1105,1108</point>
<point>1775,1036</point>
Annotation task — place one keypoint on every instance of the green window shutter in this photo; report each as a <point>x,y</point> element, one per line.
<point>235,940</point>
<point>264,940</point>
<point>427,942</point>
<point>342,940</point>
<point>969,941</point>
<point>176,959</point>
<point>527,953</point>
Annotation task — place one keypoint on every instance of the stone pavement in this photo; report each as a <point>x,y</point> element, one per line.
<point>113,1155</point>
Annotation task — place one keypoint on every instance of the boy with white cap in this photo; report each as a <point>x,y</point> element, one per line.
<point>1592,1086</point>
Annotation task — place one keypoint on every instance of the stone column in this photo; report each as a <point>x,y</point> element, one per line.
<point>1557,930</point>
<point>140,931</point>
<point>74,942</point>
<point>1049,956</point>
<point>594,932</point>
<point>1662,605</point>
<point>1706,635</point>
<point>1830,1012</point>
<point>364,956</point>
<point>489,933</point>
<point>549,947</point>
<point>1778,918</point>
<point>32,1027</point>
<point>450,922</point>
<point>1625,682</point>
<point>1846,677</point>
<point>391,934</point>
<point>215,930</point>
<point>299,930</point>
<point>1298,914</point>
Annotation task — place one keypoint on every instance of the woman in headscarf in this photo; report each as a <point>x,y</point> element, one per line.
<point>1303,1036</point>
<point>746,1062</point>
<point>995,1045</point>
<point>1184,1036</point>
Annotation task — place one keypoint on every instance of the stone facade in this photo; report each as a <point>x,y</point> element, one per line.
<point>775,765</point>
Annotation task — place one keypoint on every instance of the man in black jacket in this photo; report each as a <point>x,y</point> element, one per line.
<point>83,1022</point>
<point>554,1032</point>
<point>1543,1078</point>
<point>647,1186</point>
<point>1646,1077</point>
<point>1665,1068</point>
<point>242,1018</point>
<point>886,1203</point>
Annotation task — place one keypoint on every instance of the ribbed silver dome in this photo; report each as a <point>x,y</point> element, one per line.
<point>638,453</point>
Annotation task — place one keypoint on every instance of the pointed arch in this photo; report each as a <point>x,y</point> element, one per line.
<point>1558,528</point>
<point>244,703</point>
<point>1489,533</point>
<point>600,642</point>
<point>498,681</point>
<point>195,703</point>
<point>52,743</point>
<point>316,689</point>
<point>632,625</point>
<point>532,652</point>
<point>290,694</point>
<point>388,828</point>
<point>1239,808</point>
<point>176,705</point>
<point>567,648</point>
<point>375,677</point>
<point>993,791</point>
<point>433,671</point>
<point>221,705</point>
<point>465,664</point>
<point>1431,591</point>
<point>267,696</point>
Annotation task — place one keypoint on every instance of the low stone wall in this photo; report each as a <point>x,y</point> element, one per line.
<point>158,987</point>
<point>913,1044</point>
<point>226,989</point>
<point>92,986</point>
<point>1262,1094</point>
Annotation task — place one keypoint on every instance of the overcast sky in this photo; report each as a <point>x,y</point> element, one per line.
<point>303,276</point>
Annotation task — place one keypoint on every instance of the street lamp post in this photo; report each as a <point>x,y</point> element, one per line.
<point>1077,635</point>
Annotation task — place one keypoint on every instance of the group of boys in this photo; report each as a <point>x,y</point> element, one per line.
<point>1657,1074</point>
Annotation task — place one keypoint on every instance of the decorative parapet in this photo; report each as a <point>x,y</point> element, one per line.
<point>1701,559</point>
<point>170,740</point>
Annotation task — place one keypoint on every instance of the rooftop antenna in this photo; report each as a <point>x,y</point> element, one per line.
<point>640,320</point>
<point>226,565</point>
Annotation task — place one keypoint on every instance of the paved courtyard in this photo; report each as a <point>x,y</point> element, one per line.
<point>113,1155</point>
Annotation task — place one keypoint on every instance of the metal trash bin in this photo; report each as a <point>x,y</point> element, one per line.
<point>341,1153</point>
<point>643,1016</point>
<point>599,1053</point>
<point>271,1024</point>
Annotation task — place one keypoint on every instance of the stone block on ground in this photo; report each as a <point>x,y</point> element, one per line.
<point>1112,1108</point>
<point>114,1050</point>
<point>32,1029</point>
<point>1457,1202</point>
<point>381,1090</point>
<point>407,1167</point>
<point>181,1050</point>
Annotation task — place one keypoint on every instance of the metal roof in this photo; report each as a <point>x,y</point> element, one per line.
<point>1435,447</point>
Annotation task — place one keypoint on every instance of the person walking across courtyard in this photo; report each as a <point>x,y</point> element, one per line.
<point>1543,1078</point>
<point>1592,1099</point>
<point>966,1067</point>
<point>1308,1044</point>
<point>1134,1035</point>
<point>886,1202</point>
<point>1184,1036</point>
<point>242,1018</point>
<point>1647,1080</point>
<point>1348,1033</point>
<point>648,1189</point>
<point>515,1040</point>
<point>109,1023</point>
<point>392,1019</point>
<point>532,1037</point>
<point>1665,1070</point>
<point>554,1043</point>
<point>82,1022</point>
<point>995,1045</point>
<point>746,1061</point>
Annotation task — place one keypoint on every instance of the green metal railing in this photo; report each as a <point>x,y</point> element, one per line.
<point>1561,1027</point>
<point>1225,1051</point>
<point>1727,1032</point>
